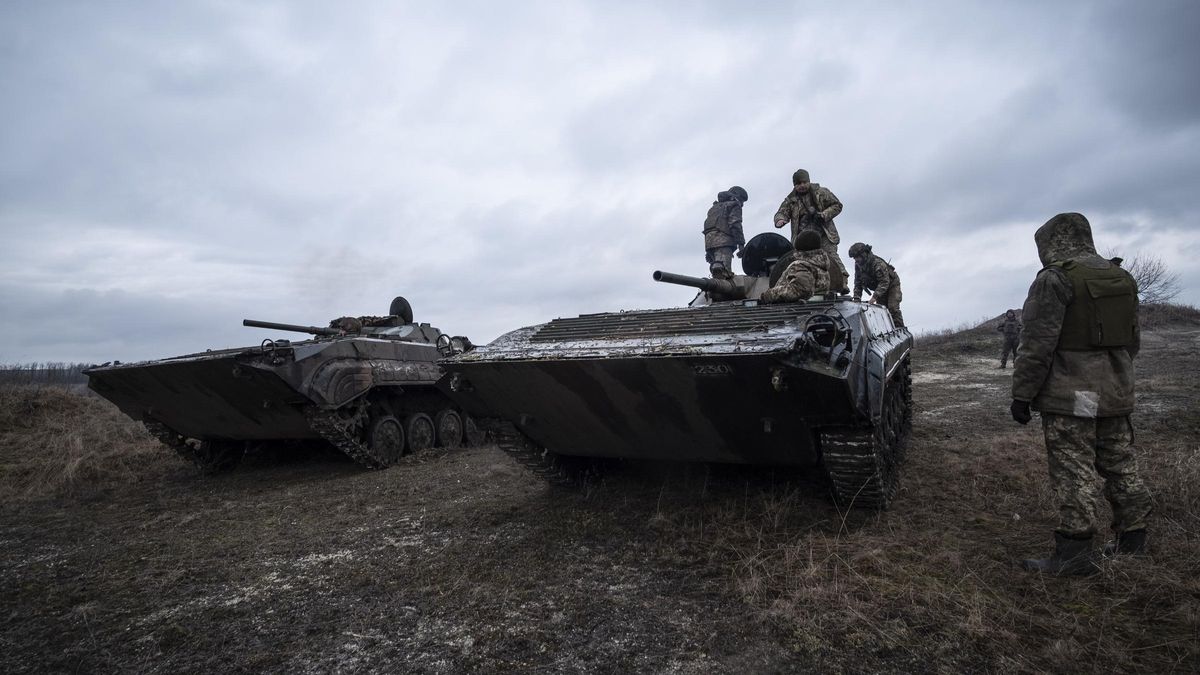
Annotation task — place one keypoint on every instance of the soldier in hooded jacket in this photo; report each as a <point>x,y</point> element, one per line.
<point>1011,328</point>
<point>807,275</point>
<point>1075,366</point>
<point>875,275</point>
<point>809,206</point>
<point>723,232</point>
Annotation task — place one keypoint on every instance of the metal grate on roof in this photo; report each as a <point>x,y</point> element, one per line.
<point>733,318</point>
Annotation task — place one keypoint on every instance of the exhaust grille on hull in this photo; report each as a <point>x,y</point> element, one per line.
<point>731,318</point>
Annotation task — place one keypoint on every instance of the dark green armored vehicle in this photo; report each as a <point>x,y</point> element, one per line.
<point>364,384</point>
<point>727,379</point>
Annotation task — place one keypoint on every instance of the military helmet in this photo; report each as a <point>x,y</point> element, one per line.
<point>808,240</point>
<point>739,192</point>
<point>801,176</point>
<point>859,248</point>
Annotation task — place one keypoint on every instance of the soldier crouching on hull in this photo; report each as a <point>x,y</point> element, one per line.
<point>878,277</point>
<point>1012,337</point>
<point>723,232</point>
<point>1075,366</point>
<point>812,207</point>
<point>806,276</point>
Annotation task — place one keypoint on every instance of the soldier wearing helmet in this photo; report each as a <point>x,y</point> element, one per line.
<point>812,207</point>
<point>1075,366</point>
<point>879,278</point>
<point>806,276</point>
<point>723,232</point>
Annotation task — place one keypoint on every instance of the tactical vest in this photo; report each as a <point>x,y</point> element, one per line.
<point>1103,313</point>
<point>718,217</point>
<point>869,278</point>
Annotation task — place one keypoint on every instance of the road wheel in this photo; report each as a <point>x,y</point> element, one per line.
<point>419,430</point>
<point>385,439</point>
<point>449,429</point>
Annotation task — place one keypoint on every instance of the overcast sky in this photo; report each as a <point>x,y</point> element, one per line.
<point>167,169</point>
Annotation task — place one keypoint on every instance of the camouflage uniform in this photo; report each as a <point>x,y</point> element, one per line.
<point>806,276</point>
<point>795,209</point>
<point>723,234</point>
<point>877,276</point>
<point>1012,337</point>
<point>1085,394</point>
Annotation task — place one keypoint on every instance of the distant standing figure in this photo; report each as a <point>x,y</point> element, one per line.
<point>879,278</point>
<point>723,232</point>
<point>807,275</point>
<point>1012,337</point>
<point>812,207</point>
<point>1075,366</point>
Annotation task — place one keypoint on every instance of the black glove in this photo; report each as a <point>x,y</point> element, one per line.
<point>817,218</point>
<point>739,252</point>
<point>1020,411</point>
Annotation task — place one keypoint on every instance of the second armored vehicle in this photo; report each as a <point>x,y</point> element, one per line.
<point>364,384</point>
<point>728,379</point>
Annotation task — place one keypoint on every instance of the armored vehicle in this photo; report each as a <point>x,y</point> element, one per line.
<point>727,379</point>
<point>364,384</point>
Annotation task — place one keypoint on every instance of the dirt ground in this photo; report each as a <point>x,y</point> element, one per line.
<point>460,561</point>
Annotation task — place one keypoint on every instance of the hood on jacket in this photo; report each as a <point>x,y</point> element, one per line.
<point>1063,237</point>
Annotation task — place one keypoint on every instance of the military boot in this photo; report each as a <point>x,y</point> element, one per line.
<point>1072,557</point>
<point>1128,543</point>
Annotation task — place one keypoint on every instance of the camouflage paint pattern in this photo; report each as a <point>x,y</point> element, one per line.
<point>875,275</point>
<point>892,302</point>
<point>806,276</point>
<point>720,262</point>
<point>817,199</point>
<point>1091,383</point>
<point>1011,343</point>
<point>723,225</point>
<point>1081,450</point>
<point>1064,237</point>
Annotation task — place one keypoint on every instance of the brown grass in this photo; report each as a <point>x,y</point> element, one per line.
<point>635,575</point>
<point>55,442</point>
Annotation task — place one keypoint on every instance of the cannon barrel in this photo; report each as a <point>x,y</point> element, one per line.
<point>314,330</point>
<point>719,286</point>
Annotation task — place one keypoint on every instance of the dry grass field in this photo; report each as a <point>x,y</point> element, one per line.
<point>119,557</point>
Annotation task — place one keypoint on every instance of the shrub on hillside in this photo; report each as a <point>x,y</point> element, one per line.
<point>55,442</point>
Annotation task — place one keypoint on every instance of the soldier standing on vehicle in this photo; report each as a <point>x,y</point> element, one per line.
<point>807,275</point>
<point>879,278</point>
<point>1012,337</point>
<point>812,207</point>
<point>723,232</point>
<point>1075,366</point>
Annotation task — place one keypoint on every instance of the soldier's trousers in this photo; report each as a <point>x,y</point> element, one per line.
<point>831,248</point>
<point>720,261</point>
<point>1081,449</point>
<point>892,302</point>
<point>1010,346</point>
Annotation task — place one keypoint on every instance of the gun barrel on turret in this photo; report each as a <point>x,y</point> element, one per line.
<point>718,286</point>
<point>314,330</point>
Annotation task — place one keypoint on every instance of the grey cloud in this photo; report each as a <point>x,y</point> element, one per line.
<point>501,165</point>
<point>1144,60</point>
